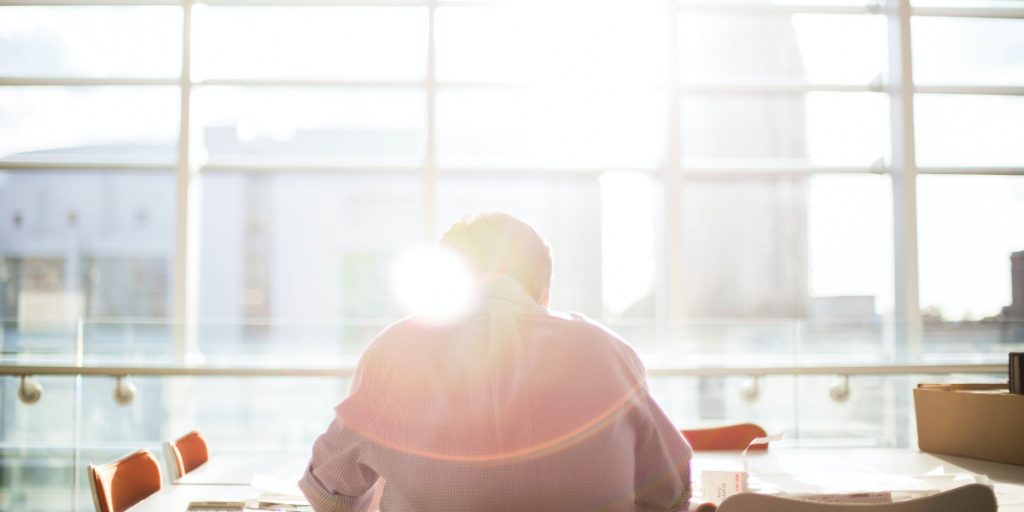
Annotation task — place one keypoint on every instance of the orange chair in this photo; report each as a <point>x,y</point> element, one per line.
<point>121,484</point>
<point>729,437</point>
<point>185,454</point>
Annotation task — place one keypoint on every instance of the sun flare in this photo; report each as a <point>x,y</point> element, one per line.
<point>433,284</point>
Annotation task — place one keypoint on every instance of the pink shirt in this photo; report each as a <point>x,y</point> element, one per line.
<point>512,408</point>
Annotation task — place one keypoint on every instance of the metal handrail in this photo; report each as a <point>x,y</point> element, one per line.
<point>349,370</point>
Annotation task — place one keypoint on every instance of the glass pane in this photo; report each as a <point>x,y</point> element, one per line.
<point>631,212</point>
<point>310,42</point>
<point>968,50</point>
<point>564,128</point>
<point>698,402</point>
<point>969,130</point>
<point>85,245</point>
<point>94,41</point>
<point>819,128</point>
<point>298,246</point>
<point>37,446</point>
<point>242,425</point>
<point>349,126</point>
<point>849,237</point>
<point>872,415</point>
<point>968,228</point>
<point>802,47</point>
<point>603,43</point>
<point>63,124</point>
<point>822,246</point>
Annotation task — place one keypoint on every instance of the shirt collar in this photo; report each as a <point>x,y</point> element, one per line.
<point>501,293</point>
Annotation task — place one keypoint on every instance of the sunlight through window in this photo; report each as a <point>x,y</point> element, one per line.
<point>433,284</point>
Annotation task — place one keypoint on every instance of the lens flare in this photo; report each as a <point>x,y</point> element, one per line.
<point>433,284</point>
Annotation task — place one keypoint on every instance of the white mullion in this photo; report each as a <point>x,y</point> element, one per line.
<point>669,302</point>
<point>758,8</point>
<point>484,170</point>
<point>430,158</point>
<point>264,167</point>
<point>754,87</point>
<point>185,283</point>
<point>906,309</point>
<point>776,170</point>
<point>259,82</point>
<point>316,3</point>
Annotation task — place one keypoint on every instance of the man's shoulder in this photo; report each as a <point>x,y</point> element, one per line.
<point>396,333</point>
<point>408,333</point>
<point>588,340</point>
<point>592,331</point>
<point>583,323</point>
<point>569,326</point>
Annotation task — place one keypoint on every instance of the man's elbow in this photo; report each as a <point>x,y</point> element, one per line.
<point>321,499</point>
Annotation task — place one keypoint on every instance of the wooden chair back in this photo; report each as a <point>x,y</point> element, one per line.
<point>729,437</point>
<point>121,484</point>
<point>185,454</point>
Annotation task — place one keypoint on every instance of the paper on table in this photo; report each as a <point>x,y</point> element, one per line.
<point>277,491</point>
<point>841,487</point>
<point>826,483</point>
<point>760,440</point>
<point>271,485</point>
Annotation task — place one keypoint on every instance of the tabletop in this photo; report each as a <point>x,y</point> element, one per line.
<point>225,476</point>
<point>238,468</point>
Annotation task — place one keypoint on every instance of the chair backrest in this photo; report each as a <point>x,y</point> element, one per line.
<point>186,454</point>
<point>729,437</point>
<point>972,497</point>
<point>120,484</point>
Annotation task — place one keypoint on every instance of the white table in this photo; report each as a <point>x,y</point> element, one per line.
<point>239,468</point>
<point>823,469</point>
<point>793,469</point>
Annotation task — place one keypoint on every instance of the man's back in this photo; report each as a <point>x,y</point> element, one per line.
<point>512,408</point>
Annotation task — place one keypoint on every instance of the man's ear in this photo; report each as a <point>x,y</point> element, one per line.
<point>545,296</point>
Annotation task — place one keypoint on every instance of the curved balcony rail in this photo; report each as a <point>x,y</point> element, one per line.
<point>347,371</point>
<point>30,391</point>
<point>74,393</point>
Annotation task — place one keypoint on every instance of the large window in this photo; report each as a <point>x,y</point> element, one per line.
<point>688,160</point>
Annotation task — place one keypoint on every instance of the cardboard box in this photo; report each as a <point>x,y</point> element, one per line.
<point>980,421</point>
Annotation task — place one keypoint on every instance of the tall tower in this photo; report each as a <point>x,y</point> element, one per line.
<point>1015,310</point>
<point>745,252</point>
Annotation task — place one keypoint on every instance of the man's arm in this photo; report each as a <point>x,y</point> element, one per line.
<point>335,479</point>
<point>662,476</point>
<point>662,470</point>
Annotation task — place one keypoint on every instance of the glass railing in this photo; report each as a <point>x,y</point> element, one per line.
<point>271,385</point>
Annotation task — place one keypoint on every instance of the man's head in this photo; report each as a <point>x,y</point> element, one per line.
<point>498,242</point>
